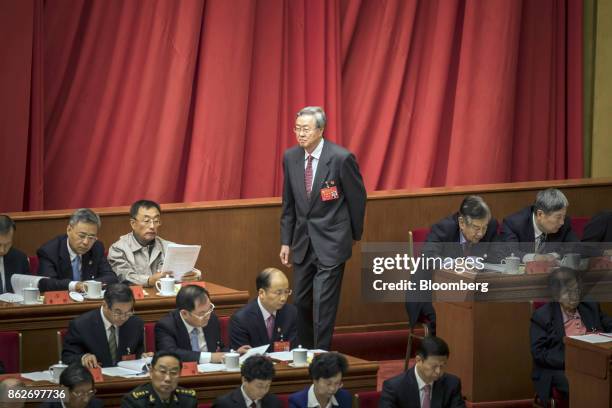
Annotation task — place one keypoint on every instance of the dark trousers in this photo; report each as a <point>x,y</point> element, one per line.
<point>317,294</point>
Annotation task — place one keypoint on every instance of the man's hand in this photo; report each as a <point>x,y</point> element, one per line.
<point>80,287</point>
<point>217,357</point>
<point>607,252</point>
<point>284,255</point>
<point>157,276</point>
<point>89,361</point>
<point>243,349</point>
<point>147,354</point>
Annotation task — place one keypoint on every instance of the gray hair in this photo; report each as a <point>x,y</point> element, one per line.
<point>318,114</point>
<point>473,207</point>
<point>550,200</point>
<point>84,215</point>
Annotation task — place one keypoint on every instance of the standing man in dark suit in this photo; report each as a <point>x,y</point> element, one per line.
<point>425,385</point>
<point>324,202</point>
<point>192,330</point>
<point>77,256</point>
<point>538,232</point>
<point>269,317</point>
<point>12,260</point>
<point>257,373</point>
<point>104,336</point>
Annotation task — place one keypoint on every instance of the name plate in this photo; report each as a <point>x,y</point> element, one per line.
<point>96,374</point>
<point>58,297</point>
<point>137,292</point>
<point>196,283</point>
<point>189,368</point>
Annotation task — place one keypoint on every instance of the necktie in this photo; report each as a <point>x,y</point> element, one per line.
<point>426,403</point>
<point>253,404</point>
<point>76,268</point>
<point>540,241</point>
<point>112,344</point>
<point>270,326</point>
<point>195,344</point>
<point>308,176</point>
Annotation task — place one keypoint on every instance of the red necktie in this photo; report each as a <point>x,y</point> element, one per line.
<point>426,396</point>
<point>308,176</point>
<point>270,326</point>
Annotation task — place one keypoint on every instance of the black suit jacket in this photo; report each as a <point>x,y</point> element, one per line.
<point>329,226</point>
<point>86,334</point>
<point>403,391</point>
<point>547,332</point>
<point>93,403</point>
<point>54,262</point>
<point>171,335</point>
<point>247,326</point>
<point>518,230</point>
<point>235,400</point>
<point>15,262</point>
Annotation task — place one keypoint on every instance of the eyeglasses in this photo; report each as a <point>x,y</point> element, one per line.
<point>280,292</point>
<point>84,237</point>
<point>304,130</point>
<point>206,314</point>
<point>83,394</point>
<point>146,221</point>
<point>118,314</point>
<point>164,372</point>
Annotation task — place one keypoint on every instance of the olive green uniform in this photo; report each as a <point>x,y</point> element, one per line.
<point>144,396</point>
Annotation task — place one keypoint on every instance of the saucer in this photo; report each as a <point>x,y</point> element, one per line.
<point>165,294</point>
<point>86,296</point>
<point>292,364</point>
<point>77,297</point>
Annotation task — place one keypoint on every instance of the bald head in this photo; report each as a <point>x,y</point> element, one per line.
<point>272,289</point>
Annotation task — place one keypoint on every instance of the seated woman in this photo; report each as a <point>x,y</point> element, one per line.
<point>326,371</point>
<point>567,315</point>
<point>81,389</point>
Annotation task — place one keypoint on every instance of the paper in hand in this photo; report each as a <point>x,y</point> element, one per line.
<point>180,259</point>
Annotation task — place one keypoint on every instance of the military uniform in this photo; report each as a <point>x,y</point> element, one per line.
<point>144,396</point>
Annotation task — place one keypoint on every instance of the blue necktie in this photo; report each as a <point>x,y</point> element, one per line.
<point>76,268</point>
<point>195,345</point>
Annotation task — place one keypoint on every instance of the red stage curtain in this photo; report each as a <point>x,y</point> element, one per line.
<point>108,101</point>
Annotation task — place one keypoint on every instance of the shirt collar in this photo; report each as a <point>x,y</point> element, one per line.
<point>264,312</point>
<point>247,400</point>
<point>107,324</point>
<point>313,402</point>
<point>420,381</point>
<point>70,251</point>
<point>536,230</point>
<point>462,239</point>
<point>316,153</point>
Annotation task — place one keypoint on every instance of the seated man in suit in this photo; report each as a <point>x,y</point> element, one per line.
<point>268,318</point>
<point>426,384</point>
<point>326,371</point>
<point>80,385</point>
<point>599,229</point>
<point>538,231</point>
<point>257,373</point>
<point>192,330</point>
<point>138,257</point>
<point>567,315</point>
<point>104,336</point>
<point>163,390</point>
<point>12,260</point>
<point>76,256</point>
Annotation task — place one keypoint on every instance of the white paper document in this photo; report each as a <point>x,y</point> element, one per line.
<point>20,281</point>
<point>253,352</point>
<point>180,259</point>
<point>38,376</point>
<point>594,338</point>
<point>210,368</point>
<point>288,355</point>
<point>129,368</point>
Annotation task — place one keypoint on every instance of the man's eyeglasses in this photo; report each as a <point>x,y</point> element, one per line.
<point>304,130</point>
<point>84,237</point>
<point>83,394</point>
<point>205,314</point>
<point>147,221</point>
<point>164,372</point>
<point>118,314</point>
<point>281,292</point>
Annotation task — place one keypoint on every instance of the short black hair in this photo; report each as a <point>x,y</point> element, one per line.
<point>327,365</point>
<point>187,296</point>
<point>143,204</point>
<point>473,207</point>
<point>76,374</point>
<point>561,277</point>
<point>165,353</point>
<point>264,278</point>
<point>433,346</point>
<point>257,368</point>
<point>118,293</point>
<point>6,224</point>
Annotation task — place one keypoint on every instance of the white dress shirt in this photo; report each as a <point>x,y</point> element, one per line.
<point>313,402</point>
<point>4,286</point>
<point>205,355</point>
<point>421,384</point>
<point>72,284</point>
<point>107,326</point>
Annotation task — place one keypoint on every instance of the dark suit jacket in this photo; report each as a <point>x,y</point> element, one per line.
<point>235,400</point>
<point>86,334</point>
<point>329,226</point>
<point>518,228</point>
<point>93,403</point>
<point>300,399</point>
<point>171,335</point>
<point>403,391</point>
<point>547,332</point>
<point>15,262</point>
<point>247,326</point>
<point>55,263</point>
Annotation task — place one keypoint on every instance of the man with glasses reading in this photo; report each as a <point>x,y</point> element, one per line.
<point>81,389</point>
<point>163,390</point>
<point>138,256</point>
<point>105,336</point>
<point>192,330</point>
<point>268,318</point>
<point>76,256</point>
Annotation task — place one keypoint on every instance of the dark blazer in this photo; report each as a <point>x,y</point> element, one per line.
<point>54,262</point>
<point>86,334</point>
<point>15,262</point>
<point>518,228</point>
<point>300,399</point>
<point>171,335</point>
<point>403,391</point>
<point>235,400</point>
<point>247,326</point>
<point>93,403</point>
<point>599,228</point>
<point>547,332</point>
<point>330,226</point>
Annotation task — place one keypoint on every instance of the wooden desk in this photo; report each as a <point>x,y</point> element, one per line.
<point>588,368</point>
<point>39,323</point>
<point>361,376</point>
